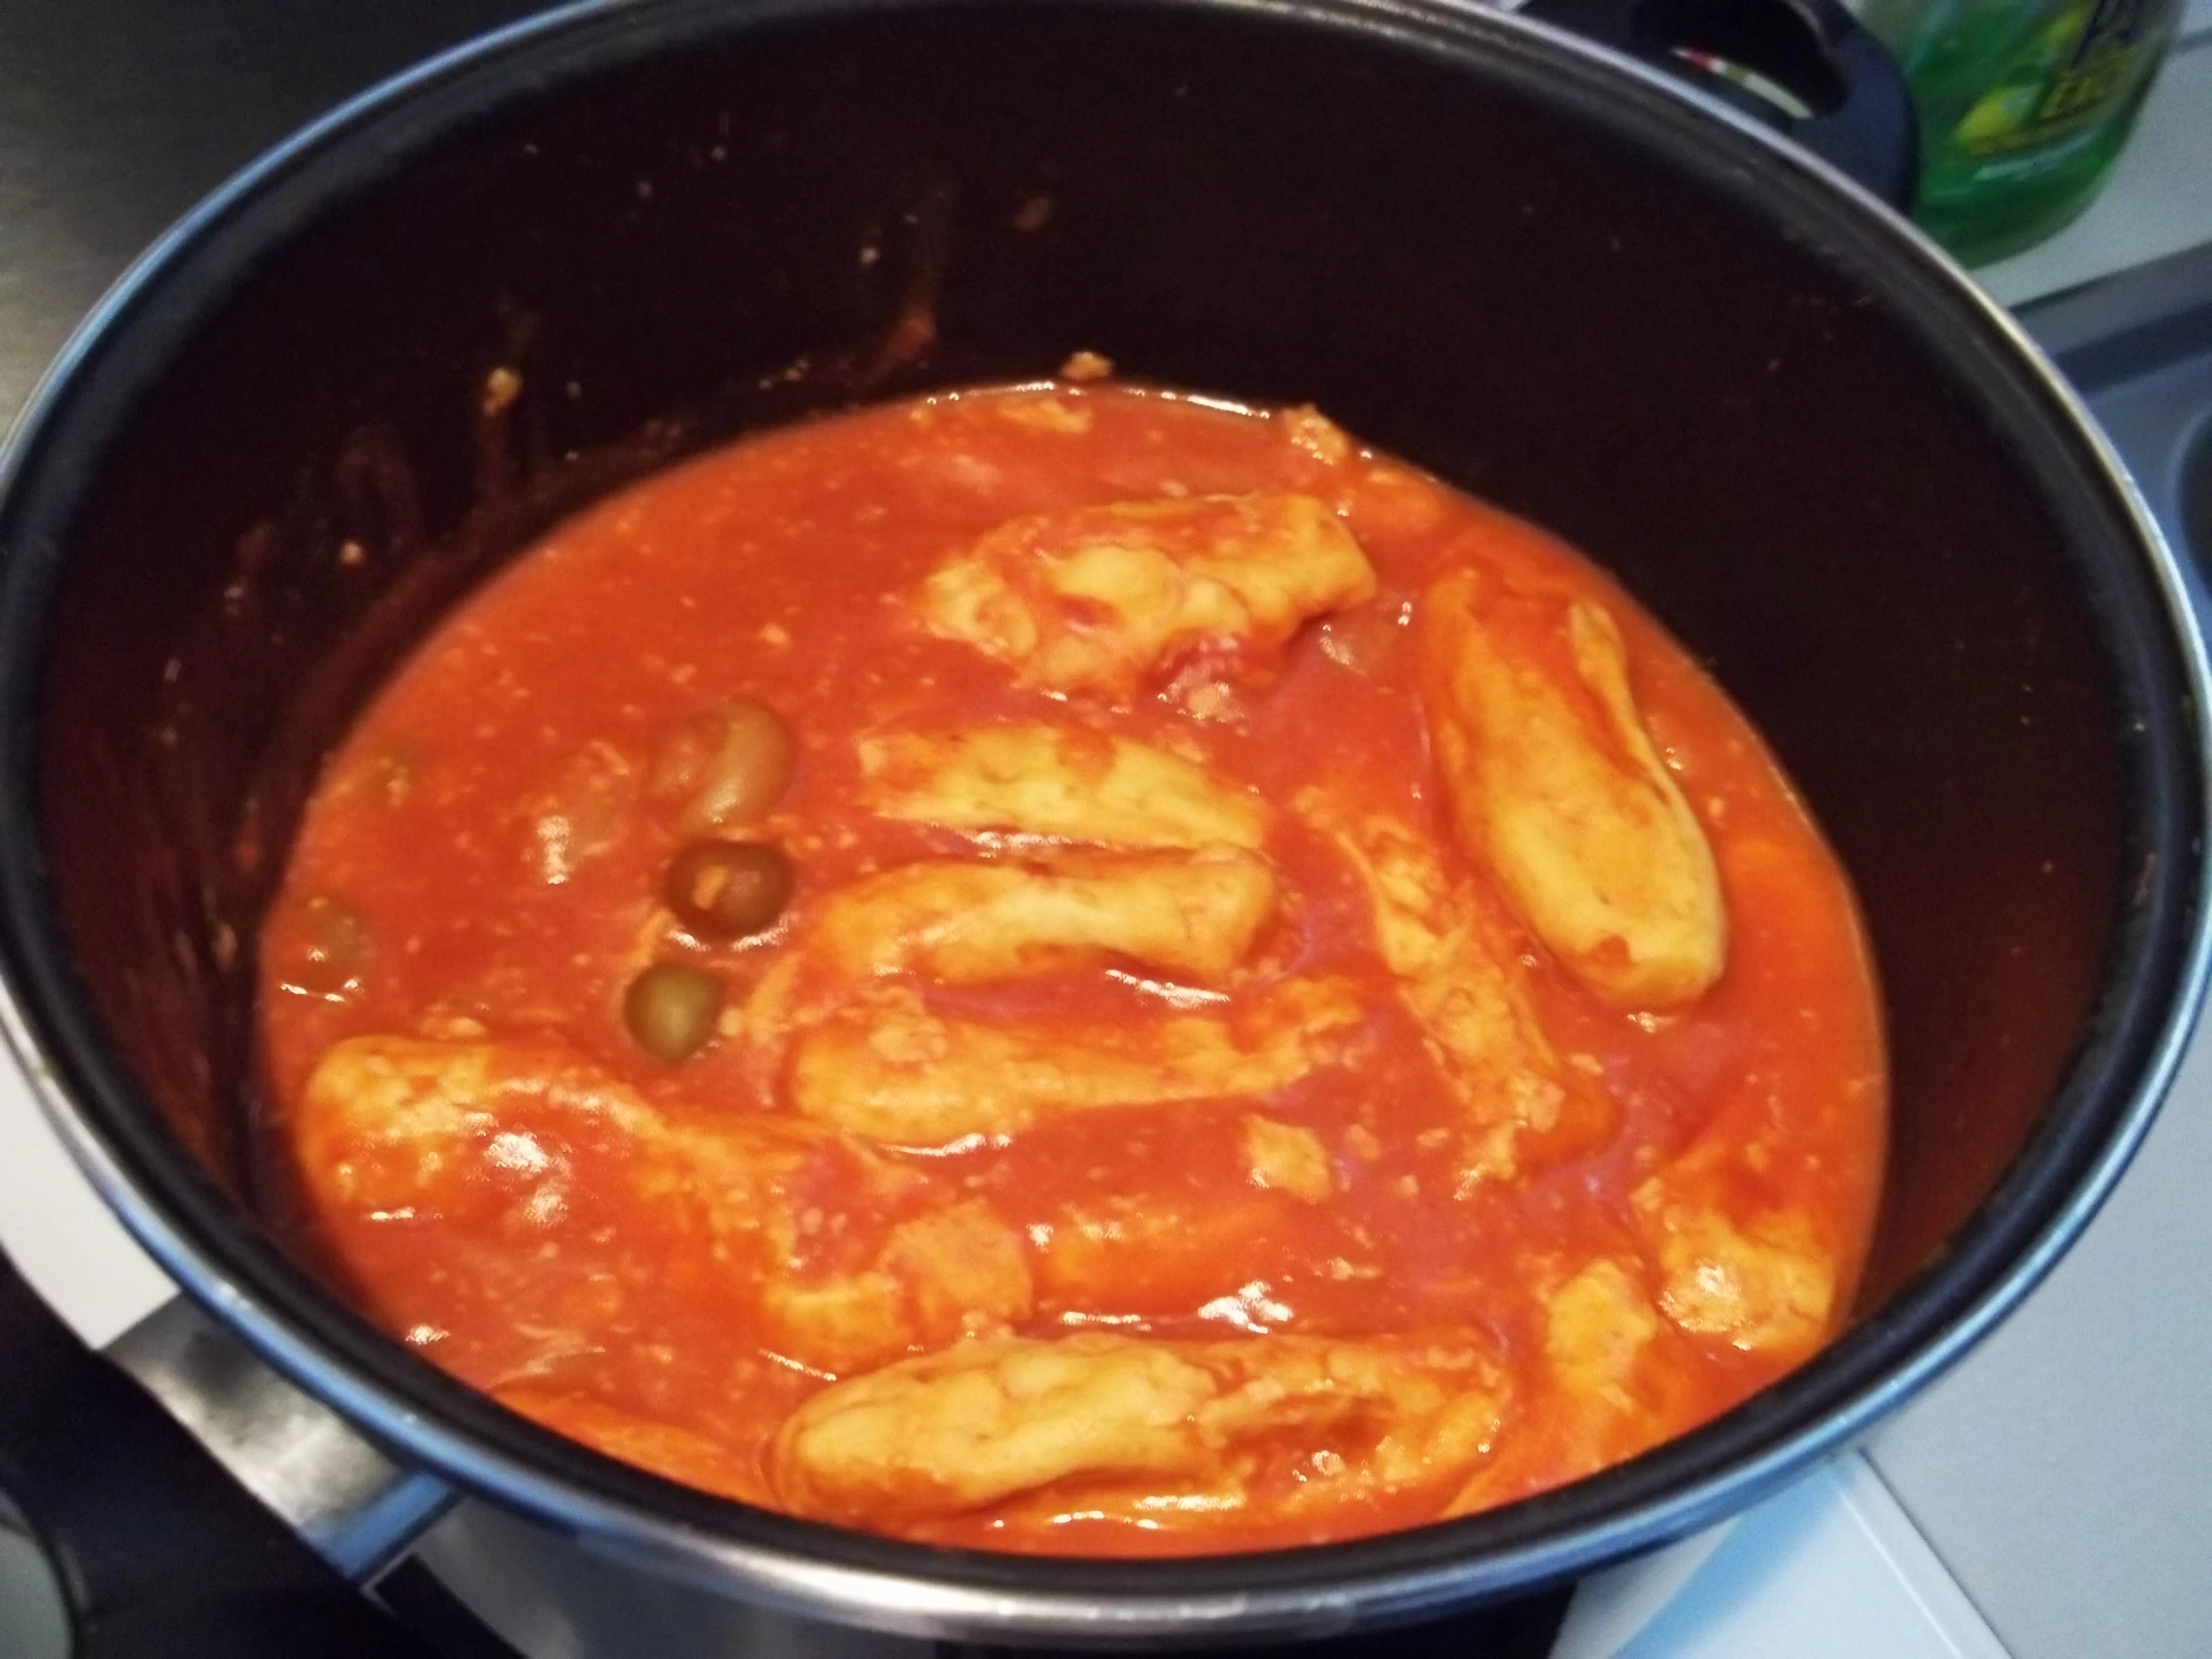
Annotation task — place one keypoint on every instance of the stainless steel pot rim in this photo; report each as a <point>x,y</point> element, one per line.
<point>806,1568</point>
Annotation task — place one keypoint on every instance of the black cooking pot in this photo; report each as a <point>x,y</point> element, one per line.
<point>1607,305</point>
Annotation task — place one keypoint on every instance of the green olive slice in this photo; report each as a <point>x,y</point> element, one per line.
<point>671,1009</point>
<point>728,889</point>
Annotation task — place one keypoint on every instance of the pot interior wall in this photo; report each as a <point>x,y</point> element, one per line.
<point>1452,263</point>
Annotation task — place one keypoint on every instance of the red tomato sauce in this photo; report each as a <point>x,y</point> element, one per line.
<point>482,856</point>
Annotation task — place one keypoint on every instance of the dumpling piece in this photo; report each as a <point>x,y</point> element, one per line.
<point>523,1138</point>
<point>1287,1158</point>
<point>1110,600</point>
<point>1063,782</point>
<point>952,1271</point>
<point>1611,1379</point>
<point>1128,1419</point>
<point>1519,1102</point>
<point>892,1070</point>
<point>1159,1253</point>
<point>1169,878</point>
<point>955,1431</point>
<point>391,1122</point>
<point>1555,783</point>
<point>957,921</point>
<point>1597,1326</point>
<point>1756,1278</point>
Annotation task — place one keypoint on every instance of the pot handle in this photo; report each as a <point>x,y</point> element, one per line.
<point>159,1548</point>
<point>1842,95</point>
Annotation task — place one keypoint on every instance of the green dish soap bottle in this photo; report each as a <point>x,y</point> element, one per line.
<point>2023,106</point>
